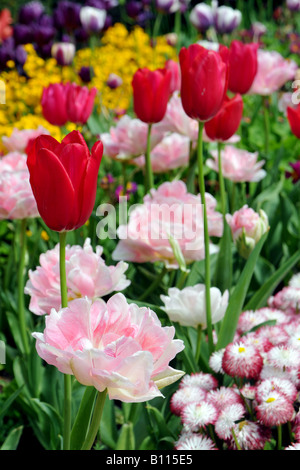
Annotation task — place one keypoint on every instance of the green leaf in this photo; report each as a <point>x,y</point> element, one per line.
<point>223,271</point>
<point>162,429</point>
<point>108,428</point>
<point>126,439</point>
<point>12,440</point>
<point>9,401</point>
<point>238,296</point>
<point>261,296</point>
<point>82,419</point>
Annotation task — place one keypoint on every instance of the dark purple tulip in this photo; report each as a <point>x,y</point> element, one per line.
<point>6,52</point>
<point>46,20</point>
<point>86,74</point>
<point>31,12</point>
<point>44,50</point>
<point>134,8</point>
<point>102,4</point>
<point>81,35</point>
<point>23,34</point>
<point>43,34</point>
<point>67,16</point>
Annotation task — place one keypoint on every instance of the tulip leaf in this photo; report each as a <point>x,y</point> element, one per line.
<point>223,271</point>
<point>83,417</point>
<point>13,438</point>
<point>126,440</point>
<point>237,298</point>
<point>261,296</point>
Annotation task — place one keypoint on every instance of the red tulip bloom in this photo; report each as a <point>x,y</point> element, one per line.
<point>69,102</point>
<point>63,177</point>
<point>293,115</point>
<point>204,80</point>
<point>80,103</point>
<point>151,92</point>
<point>242,62</point>
<point>226,122</point>
<point>54,104</point>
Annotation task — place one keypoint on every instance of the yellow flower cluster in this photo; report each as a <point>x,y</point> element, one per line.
<point>119,51</point>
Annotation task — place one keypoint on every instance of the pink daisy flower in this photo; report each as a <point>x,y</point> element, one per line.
<point>240,360</point>
<point>284,386</point>
<point>294,446</point>
<point>284,357</point>
<point>198,415</point>
<point>224,397</point>
<point>275,334</point>
<point>191,441</point>
<point>250,436</point>
<point>204,381</point>
<point>227,420</point>
<point>215,361</point>
<point>184,396</point>
<point>274,409</point>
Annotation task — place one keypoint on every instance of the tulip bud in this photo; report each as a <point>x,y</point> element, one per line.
<point>202,17</point>
<point>227,19</point>
<point>247,228</point>
<point>293,5</point>
<point>167,6</point>
<point>63,52</point>
<point>63,177</point>
<point>114,81</point>
<point>226,122</point>
<point>92,19</point>
<point>151,92</point>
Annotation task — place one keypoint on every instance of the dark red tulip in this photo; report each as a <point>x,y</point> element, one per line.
<point>151,92</point>
<point>226,122</point>
<point>63,177</point>
<point>242,62</point>
<point>293,115</point>
<point>204,79</point>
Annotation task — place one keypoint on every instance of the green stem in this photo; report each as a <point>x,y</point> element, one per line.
<point>235,440</point>
<point>206,236</point>
<point>279,433</point>
<point>154,285</point>
<point>221,181</point>
<point>198,350</point>
<point>149,174</point>
<point>95,423</point>
<point>266,124</point>
<point>64,304</point>
<point>191,170</point>
<point>124,177</point>
<point>21,305</point>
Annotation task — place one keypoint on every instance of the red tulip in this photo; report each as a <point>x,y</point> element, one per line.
<point>226,122</point>
<point>54,104</point>
<point>80,103</point>
<point>63,177</point>
<point>64,102</point>
<point>242,62</point>
<point>151,92</point>
<point>204,78</point>
<point>293,115</point>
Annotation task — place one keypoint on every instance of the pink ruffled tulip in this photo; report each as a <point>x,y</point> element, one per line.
<point>16,197</point>
<point>13,161</point>
<point>172,152</point>
<point>128,139</point>
<point>169,211</point>
<point>18,140</point>
<point>115,346</point>
<point>238,165</point>
<point>87,276</point>
<point>272,73</point>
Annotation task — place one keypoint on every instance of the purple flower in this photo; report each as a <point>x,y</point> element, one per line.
<point>295,173</point>
<point>23,34</point>
<point>31,12</point>
<point>202,17</point>
<point>67,15</point>
<point>86,73</point>
<point>114,81</point>
<point>134,8</point>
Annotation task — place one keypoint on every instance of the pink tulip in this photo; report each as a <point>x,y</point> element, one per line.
<point>87,276</point>
<point>115,346</point>
<point>18,140</point>
<point>128,139</point>
<point>176,75</point>
<point>172,152</point>
<point>13,161</point>
<point>238,165</point>
<point>272,73</point>
<point>169,211</point>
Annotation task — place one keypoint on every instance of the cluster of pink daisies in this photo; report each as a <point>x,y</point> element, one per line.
<point>254,401</point>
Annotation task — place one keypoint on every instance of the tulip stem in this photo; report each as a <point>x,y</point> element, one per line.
<point>64,304</point>
<point>149,174</point>
<point>206,236</point>
<point>266,124</point>
<point>198,350</point>
<point>21,306</point>
<point>221,181</point>
<point>95,423</point>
